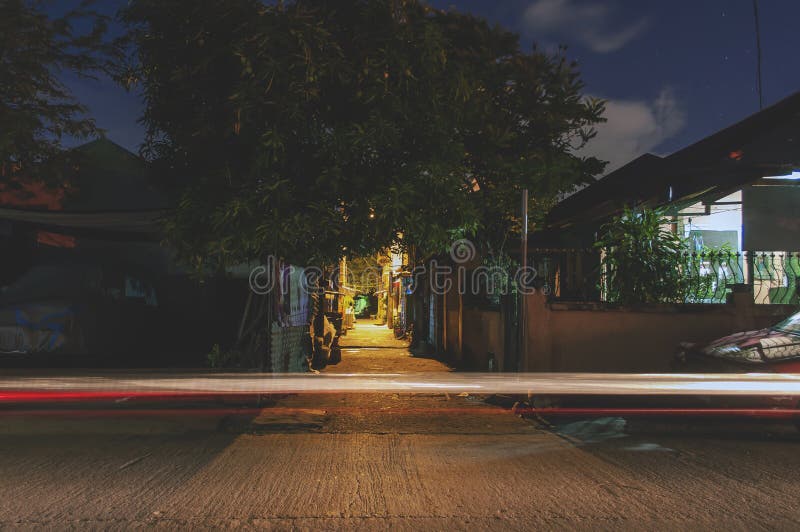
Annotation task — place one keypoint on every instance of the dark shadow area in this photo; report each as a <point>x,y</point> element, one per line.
<point>96,309</point>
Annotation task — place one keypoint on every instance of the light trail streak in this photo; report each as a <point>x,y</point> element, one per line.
<point>779,413</point>
<point>120,384</point>
<point>765,413</point>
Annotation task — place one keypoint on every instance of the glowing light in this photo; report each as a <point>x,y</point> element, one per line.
<point>794,176</point>
<point>25,388</point>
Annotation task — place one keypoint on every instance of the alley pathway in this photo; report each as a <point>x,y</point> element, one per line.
<point>371,348</point>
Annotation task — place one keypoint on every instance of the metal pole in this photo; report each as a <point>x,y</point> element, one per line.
<point>758,55</point>
<point>523,345</point>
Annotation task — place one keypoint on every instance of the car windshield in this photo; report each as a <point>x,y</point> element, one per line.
<point>790,324</point>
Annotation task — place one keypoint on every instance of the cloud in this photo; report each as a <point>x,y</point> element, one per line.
<point>636,127</point>
<point>590,24</point>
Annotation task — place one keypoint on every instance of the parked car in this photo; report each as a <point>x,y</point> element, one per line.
<point>772,350</point>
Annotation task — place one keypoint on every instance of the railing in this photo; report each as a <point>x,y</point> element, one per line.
<point>772,276</point>
<point>702,277</point>
<point>708,276</point>
<point>776,277</point>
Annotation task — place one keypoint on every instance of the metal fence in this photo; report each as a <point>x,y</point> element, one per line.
<point>705,277</point>
<point>709,276</point>
<point>776,277</point>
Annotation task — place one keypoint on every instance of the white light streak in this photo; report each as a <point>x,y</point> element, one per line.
<point>754,384</point>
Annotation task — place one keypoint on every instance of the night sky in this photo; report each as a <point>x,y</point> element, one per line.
<point>672,71</point>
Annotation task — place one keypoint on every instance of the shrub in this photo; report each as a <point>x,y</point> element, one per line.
<point>641,259</point>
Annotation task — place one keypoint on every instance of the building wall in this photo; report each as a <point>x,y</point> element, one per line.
<point>452,325</point>
<point>771,217</point>
<point>594,338</point>
<point>482,333</point>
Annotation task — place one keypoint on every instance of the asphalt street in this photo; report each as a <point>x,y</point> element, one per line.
<point>435,461</point>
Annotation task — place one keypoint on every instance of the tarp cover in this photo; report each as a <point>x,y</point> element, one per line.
<point>35,328</point>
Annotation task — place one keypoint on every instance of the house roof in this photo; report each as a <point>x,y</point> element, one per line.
<point>101,176</point>
<point>628,183</point>
<point>136,224</point>
<point>111,178</point>
<point>108,193</point>
<point>766,143</point>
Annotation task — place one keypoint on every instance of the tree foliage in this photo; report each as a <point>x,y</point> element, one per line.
<point>364,274</point>
<point>36,108</point>
<point>312,127</point>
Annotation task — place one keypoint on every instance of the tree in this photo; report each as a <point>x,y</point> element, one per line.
<point>309,127</point>
<point>36,108</point>
<point>364,274</point>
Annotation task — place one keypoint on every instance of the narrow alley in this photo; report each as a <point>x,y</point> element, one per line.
<point>370,348</point>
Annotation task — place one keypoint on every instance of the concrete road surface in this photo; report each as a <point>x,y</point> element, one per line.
<point>380,461</point>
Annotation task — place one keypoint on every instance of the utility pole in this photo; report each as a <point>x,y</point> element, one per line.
<point>523,317</point>
<point>758,55</point>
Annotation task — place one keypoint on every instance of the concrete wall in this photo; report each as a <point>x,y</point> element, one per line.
<point>482,333</point>
<point>288,348</point>
<point>451,333</point>
<point>597,338</point>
